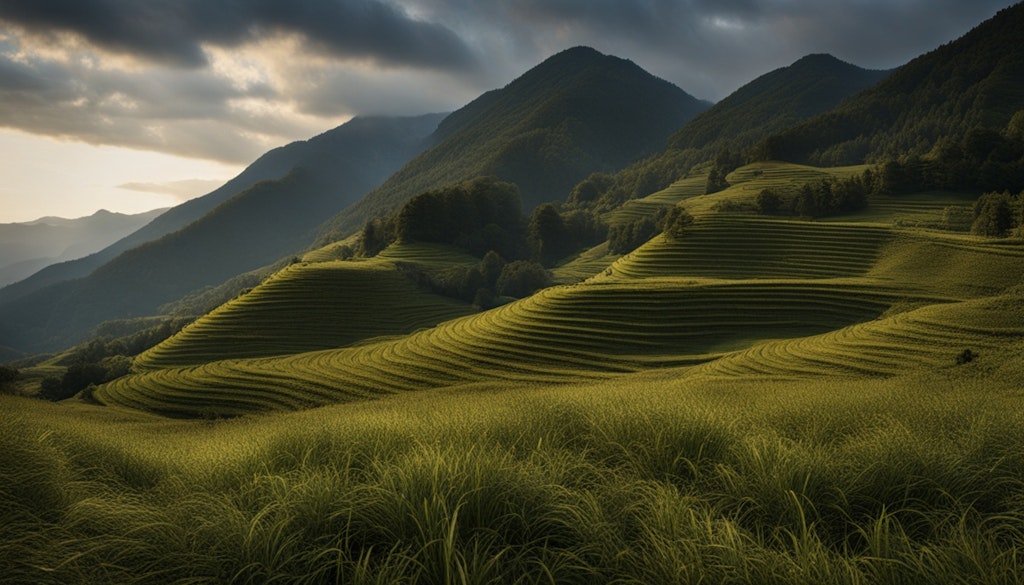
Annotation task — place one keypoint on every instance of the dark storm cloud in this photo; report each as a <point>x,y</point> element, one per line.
<point>172,31</point>
<point>711,47</point>
<point>227,79</point>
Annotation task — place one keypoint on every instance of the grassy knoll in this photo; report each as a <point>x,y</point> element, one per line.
<point>307,307</point>
<point>561,334</point>
<point>651,478</point>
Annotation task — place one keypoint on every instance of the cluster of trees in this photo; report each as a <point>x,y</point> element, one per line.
<point>104,358</point>
<point>484,215</point>
<point>998,214</point>
<point>477,215</point>
<point>819,198</point>
<point>486,284</point>
<point>553,234</point>
<point>625,237</point>
<point>984,160</point>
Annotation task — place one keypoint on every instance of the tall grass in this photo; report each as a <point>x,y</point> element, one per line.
<point>648,479</point>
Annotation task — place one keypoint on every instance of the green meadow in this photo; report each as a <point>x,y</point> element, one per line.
<point>766,399</point>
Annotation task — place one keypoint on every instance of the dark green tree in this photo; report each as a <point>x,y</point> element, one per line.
<point>522,278</point>
<point>547,235</point>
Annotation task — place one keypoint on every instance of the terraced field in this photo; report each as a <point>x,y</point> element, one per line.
<point>561,334</point>
<point>737,246</point>
<point>307,307</point>
<point>674,194</point>
<point>931,338</point>
<point>738,295</point>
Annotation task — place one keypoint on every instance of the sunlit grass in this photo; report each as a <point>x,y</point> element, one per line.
<point>648,479</point>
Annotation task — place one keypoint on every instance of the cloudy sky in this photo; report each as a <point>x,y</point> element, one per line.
<point>130,105</point>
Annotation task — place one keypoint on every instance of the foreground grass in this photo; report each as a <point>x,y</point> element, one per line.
<point>649,479</point>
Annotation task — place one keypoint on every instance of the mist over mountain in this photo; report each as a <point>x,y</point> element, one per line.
<point>576,113</point>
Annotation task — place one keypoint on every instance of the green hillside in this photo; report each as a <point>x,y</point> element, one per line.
<point>769,104</point>
<point>973,82</point>
<point>766,373</point>
<point>576,113</point>
<point>730,283</point>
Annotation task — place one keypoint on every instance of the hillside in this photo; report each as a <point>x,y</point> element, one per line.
<point>257,226</point>
<point>715,302</point>
<point>577,112</point>
<point>27,247</point>
<point>773,102</point>
<point>973,82</point>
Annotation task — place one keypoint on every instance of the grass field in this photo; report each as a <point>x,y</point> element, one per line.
<point>651,478</point>
<point>764,400</point>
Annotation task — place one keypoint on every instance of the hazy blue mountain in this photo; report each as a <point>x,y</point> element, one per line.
<point>27,247</point>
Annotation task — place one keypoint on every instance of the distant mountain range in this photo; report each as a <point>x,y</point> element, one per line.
<point>27,247</point>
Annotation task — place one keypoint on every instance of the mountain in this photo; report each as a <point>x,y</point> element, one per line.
<point>29,246</point>
<point>255,227</point>
<point>271,165</point>
<point>770,103</point>
<point>774,101</point>
<point>576,113</point>
<point>973,82</point>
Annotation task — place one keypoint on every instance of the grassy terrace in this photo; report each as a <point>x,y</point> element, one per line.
<point>731,246</point>
<point>307,307</point>
<point>558,335</point>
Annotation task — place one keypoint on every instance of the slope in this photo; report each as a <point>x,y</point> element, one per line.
<point>255,227</point>
<point>973,82</point>
<point>768,104</point>
<point>772,102</point>
<point>734,296</point>
<point>577,112</point>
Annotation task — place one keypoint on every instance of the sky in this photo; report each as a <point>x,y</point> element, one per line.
<point>131,105</point>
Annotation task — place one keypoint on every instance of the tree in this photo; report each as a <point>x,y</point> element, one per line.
<point>547,235</point>
<point>675,222</point>
<point>993,215</point>
<point>768,202</point>
<point>522,278</point>
<point>716,182</point>
<point>8,376</point>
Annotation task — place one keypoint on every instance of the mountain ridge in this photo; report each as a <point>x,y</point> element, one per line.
<point>971,82</point>
<point>543,131</point>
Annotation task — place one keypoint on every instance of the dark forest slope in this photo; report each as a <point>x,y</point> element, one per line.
<point>973,82</point>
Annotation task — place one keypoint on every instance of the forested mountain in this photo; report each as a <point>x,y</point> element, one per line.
<point>29,246</point>
<point>971,83</point>
<point>577,112</point>
<point>770,103</point>
<point>257,226</point>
